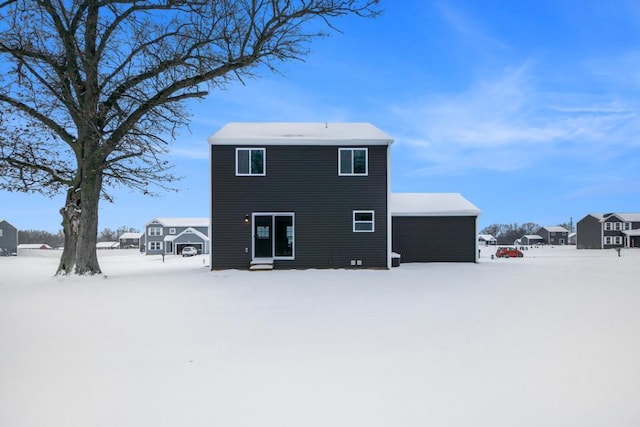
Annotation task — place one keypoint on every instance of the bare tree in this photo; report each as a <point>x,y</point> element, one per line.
<point>91,92</point>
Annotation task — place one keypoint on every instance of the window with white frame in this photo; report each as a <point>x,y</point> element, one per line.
<point>607,240</point>
<point>608,226</point>
<point>155,231</point>
<point>363,221</point>
<point>250,162</point>
<point>617,240</point>
<point>155,246</point>
<point>627,226</point>
<point>353,161</point>
<point>617,226</point>
<point>172,231</point>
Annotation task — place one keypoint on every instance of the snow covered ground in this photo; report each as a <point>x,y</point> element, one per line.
<point>552,339</point>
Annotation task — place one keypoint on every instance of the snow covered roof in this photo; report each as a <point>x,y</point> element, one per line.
<point>532,237</point>
<point>287,133</point>
<point>172,237</point>
<point>107,245</point>
<point>431,204</point>
<point>130,236</point>
<point>632,232</point>
<point>627,217</point>
<point>33,246</point>
<point>556,229</point>
<point>486,237</point>
<point>181,222</point>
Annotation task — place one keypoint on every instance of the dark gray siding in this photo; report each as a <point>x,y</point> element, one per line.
<point>434,239</point>
<point>589,233</point>
<point>9,237</point>
<point>303,180</point>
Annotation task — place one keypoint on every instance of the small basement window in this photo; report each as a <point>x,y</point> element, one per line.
<point>363,221</point>
<point>250,161</point>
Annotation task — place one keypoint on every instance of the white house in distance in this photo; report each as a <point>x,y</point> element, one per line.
<point>130,240</point>
<point>487,239</point>
<point>170,235</point>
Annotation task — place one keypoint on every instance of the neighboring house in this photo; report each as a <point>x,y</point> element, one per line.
<point>8,238</point>
<point>554,235</point>
<point>300,195</point>
<point>130,240</point>
<point>434,227</point>
<point>610,230</point>
<point>34,246</point>
<point>487,239</point>
<point>573,238</point>
<point>531,239</point>
<point>107,245</point>
<point>170,235</point>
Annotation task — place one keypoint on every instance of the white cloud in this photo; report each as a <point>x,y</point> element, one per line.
<point>508,122</point>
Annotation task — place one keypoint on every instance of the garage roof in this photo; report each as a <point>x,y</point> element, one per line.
<point>431,204</point>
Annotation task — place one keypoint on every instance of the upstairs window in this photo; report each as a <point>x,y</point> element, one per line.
<point>250,162</point>
<point>155,231</point>
<point>363,221</point>
<point>608,226</point>
<point>353,161</point>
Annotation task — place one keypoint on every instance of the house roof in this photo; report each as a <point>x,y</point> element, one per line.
<point>107,245</point>
<point>181,222</point>
<point>634,233</point>
<point>431,204</point>
<point>190,230</point>
<point>487,237</point>
<point>628,217</point>
<point>556,229</point>
<point>287,133</point>
<point>130,236</point>
<point>532,236</point>
<point>33,246</point>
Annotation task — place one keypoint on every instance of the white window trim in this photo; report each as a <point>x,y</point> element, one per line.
<point>264,161</point>
<point>366,161</point>
<point>273,216</point>
<point>172,231</point>
<point>608,226</point>
<point>372,222</point>
<point>157,231</point>
<point>152,246</point>
<point>617,226</point>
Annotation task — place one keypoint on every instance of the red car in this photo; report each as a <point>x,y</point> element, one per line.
<point>507,252</point>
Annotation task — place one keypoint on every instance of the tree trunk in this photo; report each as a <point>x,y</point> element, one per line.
<point>80,226</point>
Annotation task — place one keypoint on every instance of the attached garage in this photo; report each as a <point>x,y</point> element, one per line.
<point>434,227</point>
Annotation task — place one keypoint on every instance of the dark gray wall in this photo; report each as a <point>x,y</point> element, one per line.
<point>554,238</point>
<point>9,238</point>
<point>589,233</point>
<point>303,180</point>
<point>434,239</point>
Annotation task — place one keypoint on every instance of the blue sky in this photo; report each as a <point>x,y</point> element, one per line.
<point>529,109</point>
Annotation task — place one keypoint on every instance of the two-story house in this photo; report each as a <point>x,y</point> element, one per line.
<point>8,238</point>
<point>170,235</point>
<point>554,235</point>
<point>610,230</point>
<point>300,195</point>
